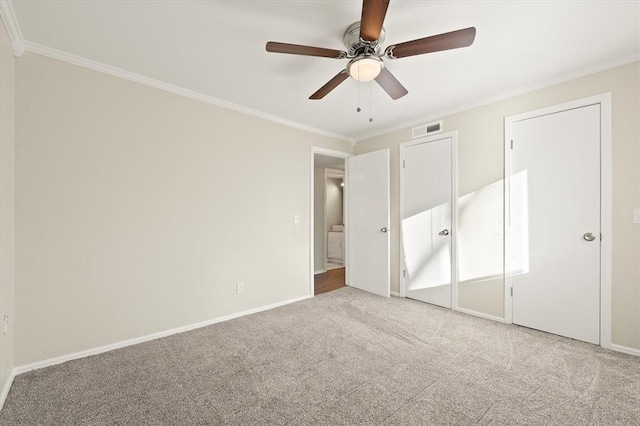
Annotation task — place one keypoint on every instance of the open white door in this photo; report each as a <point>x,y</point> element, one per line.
<point>367,193</point>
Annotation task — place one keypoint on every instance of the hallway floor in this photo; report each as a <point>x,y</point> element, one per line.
<point>329,281</point>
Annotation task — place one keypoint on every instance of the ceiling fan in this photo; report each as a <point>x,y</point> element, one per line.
<point>364,40</point>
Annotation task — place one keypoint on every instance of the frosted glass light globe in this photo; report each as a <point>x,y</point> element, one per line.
<point>365,69</point>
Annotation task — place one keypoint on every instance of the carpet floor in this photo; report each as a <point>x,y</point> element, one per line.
<point>341,358</point>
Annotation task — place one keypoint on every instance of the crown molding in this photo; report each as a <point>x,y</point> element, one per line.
<point>503,96</point>
<point>11,23</point>
<point>141,79</point>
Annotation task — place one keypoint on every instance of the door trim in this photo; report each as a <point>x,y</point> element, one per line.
<point>606,204</point>
<point>454,210</point>
<point>330,153</point>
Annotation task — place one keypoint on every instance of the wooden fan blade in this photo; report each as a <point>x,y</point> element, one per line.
<point>373,13</point>
<point>331,84</point>
<point>390,84</point>
<point>297,49</point>
<point>446,41</point>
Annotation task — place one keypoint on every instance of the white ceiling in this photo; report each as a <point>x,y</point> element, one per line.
<point>217,48</point>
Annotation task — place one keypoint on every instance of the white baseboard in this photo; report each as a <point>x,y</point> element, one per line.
<point>319,271</point>
<point>625,349</point>
<point>479,314</point>
<point>101,349</point>
<point>5,389</point>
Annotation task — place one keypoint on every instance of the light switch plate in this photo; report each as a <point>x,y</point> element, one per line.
<point>636,215</point>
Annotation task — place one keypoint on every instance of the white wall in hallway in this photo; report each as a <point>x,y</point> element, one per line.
<point>334,202</point>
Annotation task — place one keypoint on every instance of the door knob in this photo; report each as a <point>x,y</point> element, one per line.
<point>444,232</point>
<point>589,236</point>
<point>383,230</point>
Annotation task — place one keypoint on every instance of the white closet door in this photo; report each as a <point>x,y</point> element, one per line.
<point>426,221</point>
<point>554,195</point>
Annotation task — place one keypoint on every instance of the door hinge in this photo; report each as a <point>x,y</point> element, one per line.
<point>403,164</point>
<point>600,237</point>
<point>404,273</point>
<point>511,291</point>
<point>511,143</point>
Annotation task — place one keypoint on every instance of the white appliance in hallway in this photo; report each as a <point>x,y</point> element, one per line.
<point>335,244</point>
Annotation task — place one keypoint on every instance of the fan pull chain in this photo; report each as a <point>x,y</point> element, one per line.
<point>371,102</point>
<point>358,87</point>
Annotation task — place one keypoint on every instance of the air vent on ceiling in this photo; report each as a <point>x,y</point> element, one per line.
<point>426,129</point>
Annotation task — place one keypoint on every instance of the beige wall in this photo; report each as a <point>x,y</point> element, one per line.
<point>480,163</point>
<point>137,210</point>
<point>334,203</point>
<point>7,146</point>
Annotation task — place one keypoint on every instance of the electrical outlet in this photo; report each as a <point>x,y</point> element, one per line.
<point>240,288</point>
<point>5,323</point>
<point>636,215</point>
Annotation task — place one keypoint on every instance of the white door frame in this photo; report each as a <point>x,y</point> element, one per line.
<point>330,153</point>
<point>606,204</point>
<point>454,210</point>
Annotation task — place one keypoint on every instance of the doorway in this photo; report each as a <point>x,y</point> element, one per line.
<point>366,219</point>
<point>328,258</point>
<point>557,227</point>
<point>333,218</point>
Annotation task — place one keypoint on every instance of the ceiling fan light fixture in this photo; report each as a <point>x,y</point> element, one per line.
<point>365,68</point>
<point>363,41</point>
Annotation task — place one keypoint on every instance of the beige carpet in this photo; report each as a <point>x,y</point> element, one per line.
<point>344,357</point>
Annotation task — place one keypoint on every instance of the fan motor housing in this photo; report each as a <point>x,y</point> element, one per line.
<point>356,46</point>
